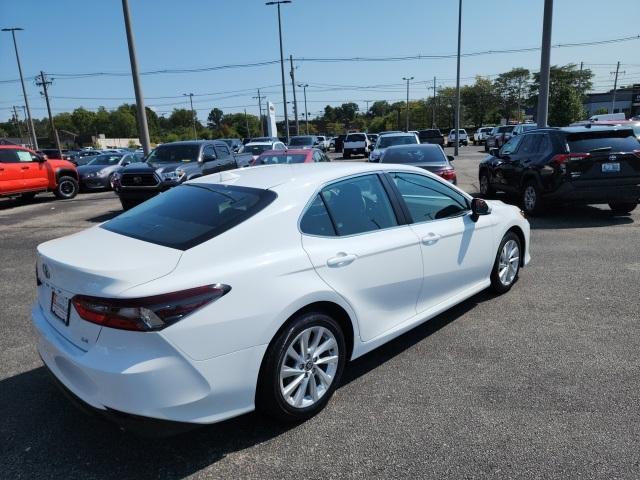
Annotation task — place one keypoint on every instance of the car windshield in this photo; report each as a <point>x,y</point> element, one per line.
<point>388,140</point>
<point>418,154</point>
<point>277,158</point>
<point>174,153</point>
<point>301,141</point>
<point>256,149</point>
<point>613,141</point>
<point>105,160</point>
<point>189,215</point>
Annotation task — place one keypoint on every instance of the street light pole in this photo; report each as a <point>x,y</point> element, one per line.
<point>193,114</point>
<point>34,138</point>
<point>284,90</point>
<point>306,112</point>
<point>143,128</point>
<point>259,97</point>
<point>408,79</point>
<point>457,119</point>
<point>545,68</point>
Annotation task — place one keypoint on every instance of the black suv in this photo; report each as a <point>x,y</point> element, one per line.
<point>586,164</point>
<point>432,135</point>
<point>171,164</point>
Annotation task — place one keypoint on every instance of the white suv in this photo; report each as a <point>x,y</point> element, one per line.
<point>481,135</point>
<point>462,136</point>
<point>356,144</point>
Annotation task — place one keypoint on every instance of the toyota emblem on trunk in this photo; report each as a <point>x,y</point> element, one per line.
<point>45,270</point>
<point>612,158</point>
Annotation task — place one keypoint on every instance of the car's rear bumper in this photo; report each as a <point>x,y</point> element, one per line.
<point>144,375</point>
<point>597,191</point>
<point>355,150</point>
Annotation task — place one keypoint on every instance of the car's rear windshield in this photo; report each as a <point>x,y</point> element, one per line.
<point>255,149</point>
<point>277,158</point>
<point>189,215</point>
<point>416,154</point>
<point>174,154</point>
<point>389,140</point>
<point>614,141</point>
<point>429,134</point>
<point>357,137</point>
<point>300,141</point>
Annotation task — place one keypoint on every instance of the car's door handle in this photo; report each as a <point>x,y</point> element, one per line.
<point>430,239</point>
<point>24,168</point>
<point>341,260</point>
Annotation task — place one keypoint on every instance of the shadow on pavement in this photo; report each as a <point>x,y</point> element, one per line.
<point>105,216</point>
<point>43,435</point>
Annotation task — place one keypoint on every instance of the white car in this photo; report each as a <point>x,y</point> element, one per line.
<point>389,140</point>
<point>256,148</point>
<point>253,288</point>
<point>463,138</point>
<point>481,135</point>
<point>356,144</point>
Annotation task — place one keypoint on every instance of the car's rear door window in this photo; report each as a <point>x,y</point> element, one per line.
<point>188,215</point>
<point>359,205</point>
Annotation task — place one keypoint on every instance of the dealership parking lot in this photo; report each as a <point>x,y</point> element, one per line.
<point>541,382</point>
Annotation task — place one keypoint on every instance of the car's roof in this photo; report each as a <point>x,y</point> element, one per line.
<point>413,146</point>
<point>592,128</point>
<point>401,134</point>
<point>288,151</point>
<point>302,174</point>
<point>252,144</point>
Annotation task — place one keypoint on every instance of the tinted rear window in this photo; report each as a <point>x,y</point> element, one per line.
<point>271,159</point>
<point>300,141</point>
<point>389,140</point>
<point>189,215</point>
<point>358,137</point>
<point>618,140</point>
<point>429,134</point>
<point>415,155</point>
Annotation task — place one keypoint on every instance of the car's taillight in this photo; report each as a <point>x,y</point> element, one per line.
<point>447,173</point>
<point>563,158</point>
<point>146,313</point>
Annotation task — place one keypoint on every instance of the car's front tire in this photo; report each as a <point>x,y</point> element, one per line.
<point>507,264</point>
<point>67,188</point>
<point>301,368</point>
<point>622,208</point>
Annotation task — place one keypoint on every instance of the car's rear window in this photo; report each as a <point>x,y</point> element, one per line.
<point>389,140</point>
<point>617,140</point>
<point>189,215</point>
<point>429,134</point>
<point>415,155</point>
<point>276,158</point>
<point>357,137</point>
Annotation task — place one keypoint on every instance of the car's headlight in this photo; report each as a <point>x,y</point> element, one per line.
<point>90,175</point>
<point>103,173</point>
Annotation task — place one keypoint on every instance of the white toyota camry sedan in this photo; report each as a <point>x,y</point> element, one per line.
<point>253,288</point>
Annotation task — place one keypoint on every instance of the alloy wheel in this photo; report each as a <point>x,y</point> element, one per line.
<point>67,188</point>
<point>308,367</point>
<point>509,262</point>
<point>530,198</point>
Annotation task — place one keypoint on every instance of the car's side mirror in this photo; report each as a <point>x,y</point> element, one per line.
<point>451,158</point>
<point>41,158</point>
<point>479,207</point>
<point>494,152</point>
<point>208,158</point>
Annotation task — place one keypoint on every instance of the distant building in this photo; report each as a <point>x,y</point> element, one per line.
<point>603,101</point>
<point>101,142</point>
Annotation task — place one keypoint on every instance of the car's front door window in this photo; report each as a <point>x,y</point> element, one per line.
<point>511,146</point>
<point>428,199</point>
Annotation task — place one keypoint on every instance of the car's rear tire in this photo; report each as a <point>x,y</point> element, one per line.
<point>622,208</point>
<point>294,384</point>
<point>67,188</point>
<point>507,263</point>
<point>486,190</point>
<point>531,198</point>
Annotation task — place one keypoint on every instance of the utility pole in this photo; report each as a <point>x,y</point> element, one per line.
<point>407,79</point>
<point>143,128</point>
<point>435,98</point>
<point>615,87</point>
<point>295,101</point>
<point>260,110</point>
<point>193,114</point>
<point>44,83</point>
<point>17,119</point>
<point>457,119</point>
<point>545,67</point>
<point>367,102</point>
<point>34,138</point>
<point>284,90</point>
<point>304,86</point>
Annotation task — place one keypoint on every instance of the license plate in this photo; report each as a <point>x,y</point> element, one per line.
<point>60,307</point>
<point>610,167</point>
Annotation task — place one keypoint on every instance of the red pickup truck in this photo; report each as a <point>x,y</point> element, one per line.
<point>24,173</point>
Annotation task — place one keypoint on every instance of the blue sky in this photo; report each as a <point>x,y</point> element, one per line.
<point>80,36</point>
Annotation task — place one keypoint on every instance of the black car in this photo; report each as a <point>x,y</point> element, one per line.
<point>171,164</point>
<point>580,165</point>
<point>304,141</point>
<point>426,156</point>
<point>338,143</point>
<point>432,135</point>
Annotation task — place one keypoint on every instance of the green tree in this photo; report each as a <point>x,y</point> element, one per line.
<point>511,89</point>
<point>478,100</point>
<point>83,121</point>
<point>214,120</point>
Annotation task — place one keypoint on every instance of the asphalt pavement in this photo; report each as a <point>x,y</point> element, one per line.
<point>543,382</point>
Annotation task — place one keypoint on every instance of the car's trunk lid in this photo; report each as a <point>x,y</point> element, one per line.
<point>95,262</point>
